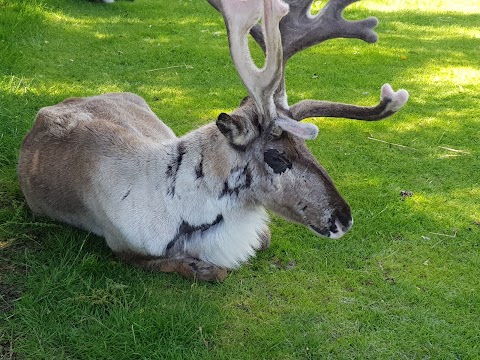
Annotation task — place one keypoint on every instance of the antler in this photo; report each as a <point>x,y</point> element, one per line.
<point>240,16</point>
<point>299,30</point>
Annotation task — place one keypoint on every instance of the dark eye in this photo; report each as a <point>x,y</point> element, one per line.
<point>277,161</point>
<point>276,133</point>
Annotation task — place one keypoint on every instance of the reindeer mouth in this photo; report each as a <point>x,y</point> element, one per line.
<point>335,231</point>
<point>320,231</point>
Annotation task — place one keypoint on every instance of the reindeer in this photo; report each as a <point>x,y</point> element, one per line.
<point>196,204</point>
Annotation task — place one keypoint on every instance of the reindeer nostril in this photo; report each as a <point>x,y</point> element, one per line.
<point>338,227</point>
<point>335,228</point>
<point>333,225</point>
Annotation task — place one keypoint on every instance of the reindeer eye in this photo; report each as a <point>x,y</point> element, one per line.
<point>274,137</point>
<point>277,161</point>
<point>275,133</point>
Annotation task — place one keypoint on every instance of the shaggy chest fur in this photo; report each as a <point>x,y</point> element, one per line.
<point>169,202</point>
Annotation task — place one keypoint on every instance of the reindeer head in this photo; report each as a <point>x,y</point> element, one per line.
<point>287,177</point>
<point>267,130</point>
<point>292,183</point>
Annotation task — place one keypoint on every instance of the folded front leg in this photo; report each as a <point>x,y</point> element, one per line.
<point>191,268</point>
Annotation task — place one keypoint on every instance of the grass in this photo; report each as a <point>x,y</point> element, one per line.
<point>403,284</point>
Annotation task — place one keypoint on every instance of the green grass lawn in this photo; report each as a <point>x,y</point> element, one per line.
<point>403,284</point>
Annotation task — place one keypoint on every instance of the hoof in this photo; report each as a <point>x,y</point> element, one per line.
<point>203,271</point>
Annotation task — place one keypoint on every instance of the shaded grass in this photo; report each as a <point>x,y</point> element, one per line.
<point>402,284</point>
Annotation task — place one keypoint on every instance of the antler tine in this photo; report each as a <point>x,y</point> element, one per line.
<point>240,17</point>
<point>300,29</point>
<point>390,102</point>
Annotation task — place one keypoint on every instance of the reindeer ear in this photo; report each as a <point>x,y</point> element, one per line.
<point>226,125</point>
<point>236,129</point>
<point>302,130</point>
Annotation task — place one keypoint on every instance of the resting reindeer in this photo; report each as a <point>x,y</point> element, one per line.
<point>197,204</point>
